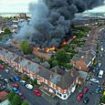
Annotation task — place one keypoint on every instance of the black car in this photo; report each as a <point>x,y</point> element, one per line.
<point>11,79</point>
<point>86,100</point>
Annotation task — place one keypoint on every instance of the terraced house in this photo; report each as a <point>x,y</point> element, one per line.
<point>60,85</point>
<point>86,55</point>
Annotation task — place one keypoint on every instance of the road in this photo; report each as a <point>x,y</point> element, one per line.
<point>29,96</point>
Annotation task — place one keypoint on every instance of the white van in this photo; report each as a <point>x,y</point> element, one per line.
<point>101,72</point>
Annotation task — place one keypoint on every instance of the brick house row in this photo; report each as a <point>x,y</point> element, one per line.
<point>60,85</point>
<point>86,55</point>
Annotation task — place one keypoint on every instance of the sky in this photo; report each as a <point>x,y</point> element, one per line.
<point>22,6</point>
<point>15,5</point>
<point>97,9</point>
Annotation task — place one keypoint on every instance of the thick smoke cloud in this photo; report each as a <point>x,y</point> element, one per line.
<point>50,20</point>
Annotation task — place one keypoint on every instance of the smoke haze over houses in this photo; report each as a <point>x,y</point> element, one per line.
<point>50,21</point>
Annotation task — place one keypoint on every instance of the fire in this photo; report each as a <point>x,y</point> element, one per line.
<point>50,49</point>
<point>64,43</point>
<point>36,48</point>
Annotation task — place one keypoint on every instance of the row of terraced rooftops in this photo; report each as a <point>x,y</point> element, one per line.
<point>63,81</point>
<point>88,51</point>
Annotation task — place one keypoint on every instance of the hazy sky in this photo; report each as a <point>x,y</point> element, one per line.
<point>15,5</point>
<point>22,6</point>
<point>98,9</point>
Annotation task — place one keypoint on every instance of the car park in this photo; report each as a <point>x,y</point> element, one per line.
<point>80,96</point>
<point>37,92</point>
<point>86,100</point>
<point>29,86</point>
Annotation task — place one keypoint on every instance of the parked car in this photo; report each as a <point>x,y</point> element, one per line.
<point>85,90</point>
<point>6,80</point>
<point>16,78</point>
<point>29,86</point>
<point>23,82</point>
<point>79,96</point>
<point>16,85</point>
<point>37,92</point>
<point>99,64</point>
<point>94,80</point>
<point>16,90</point>
<point>7,71</point>
<point>0,76</point>
<point>99,90</point>
<point>11,79</point>
<point>1,67</point>
<point>86,100</point>
<point>100,74</point>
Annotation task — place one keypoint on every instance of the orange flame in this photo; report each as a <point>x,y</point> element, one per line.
<point>50,49</point>
<point>64,43</point>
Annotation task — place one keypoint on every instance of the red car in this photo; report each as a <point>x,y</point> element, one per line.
<point>37,92</point>
<point>80,96</point>
<point>85,90</point>
<point>1,67</point>
<point>16,85</point>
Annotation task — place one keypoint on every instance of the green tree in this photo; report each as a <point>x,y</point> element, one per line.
<point>16,100</point>
<point>10,96</point>
<point>103,99</point>
<point>7,31</point>
<point>24,103</point>
<point>62,57</point>
<point>25,47</point>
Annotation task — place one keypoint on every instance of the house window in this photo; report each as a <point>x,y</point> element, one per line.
<point>65,96</point>
<point>59,94</point>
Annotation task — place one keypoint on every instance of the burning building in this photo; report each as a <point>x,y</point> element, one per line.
<point>51,19</point>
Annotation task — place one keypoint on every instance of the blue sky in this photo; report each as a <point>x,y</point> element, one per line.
<point>15,5</point>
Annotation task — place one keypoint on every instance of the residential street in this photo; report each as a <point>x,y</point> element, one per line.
<point>28,94</point>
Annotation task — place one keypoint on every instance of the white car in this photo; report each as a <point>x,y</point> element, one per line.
<point>99,64</point>
<point>94,80</point>
<point>7,71</point>
<point>22,82</point>
<point>29,86</point>
<point>6,80</point>
<point>101,73</point>
<point>102,49</point>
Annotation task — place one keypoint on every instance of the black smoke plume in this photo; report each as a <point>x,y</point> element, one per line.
<point>50,21</point>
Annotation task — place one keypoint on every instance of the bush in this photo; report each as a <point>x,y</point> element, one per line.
<point>24,103</point>
<point>25,47</point>
<point>10,96</point>
<point>16,100</point>
<point>102,100</point>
